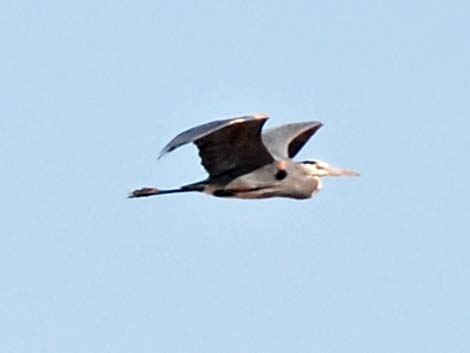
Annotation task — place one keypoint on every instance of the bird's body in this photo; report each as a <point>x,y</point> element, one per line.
<point>245,163</point>
<point>267,181</point>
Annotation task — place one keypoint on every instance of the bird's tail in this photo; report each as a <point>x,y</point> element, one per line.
<point>145,192</point>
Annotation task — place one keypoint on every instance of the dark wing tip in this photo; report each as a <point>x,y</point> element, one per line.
<point>316,124</point>
<point>165,150</point>
<point>301,139</point>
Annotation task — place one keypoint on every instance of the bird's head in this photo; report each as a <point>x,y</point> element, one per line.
<point>321,169</point>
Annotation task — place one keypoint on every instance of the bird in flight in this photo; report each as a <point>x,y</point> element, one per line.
<point>245,162</point>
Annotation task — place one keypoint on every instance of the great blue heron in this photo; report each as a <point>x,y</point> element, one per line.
<point>244,163</point>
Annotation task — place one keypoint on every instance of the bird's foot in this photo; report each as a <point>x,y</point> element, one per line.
<point>144,192</point>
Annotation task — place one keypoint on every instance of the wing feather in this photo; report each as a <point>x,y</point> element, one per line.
<point>230,145</point>
<point>287,140</point>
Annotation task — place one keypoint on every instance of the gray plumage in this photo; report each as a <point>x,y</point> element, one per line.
<point>245,163</point>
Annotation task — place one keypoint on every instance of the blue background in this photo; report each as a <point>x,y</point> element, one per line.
<point>90,91</point>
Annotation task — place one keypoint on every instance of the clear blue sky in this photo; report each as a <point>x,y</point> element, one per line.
<point>91,91</point>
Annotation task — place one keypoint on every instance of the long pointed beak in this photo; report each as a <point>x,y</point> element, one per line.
<point>332,171</point>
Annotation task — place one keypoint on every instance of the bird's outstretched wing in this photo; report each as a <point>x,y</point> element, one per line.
<point>287,140</point>
<point>230,145</point>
